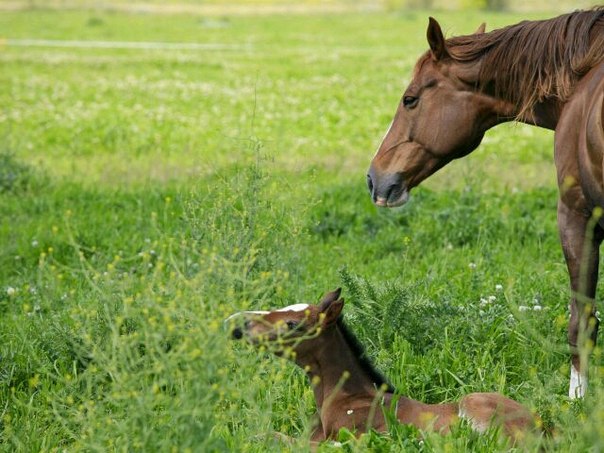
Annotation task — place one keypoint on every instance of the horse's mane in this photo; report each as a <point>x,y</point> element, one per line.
<point>542,59</point>
<point>359,352</point>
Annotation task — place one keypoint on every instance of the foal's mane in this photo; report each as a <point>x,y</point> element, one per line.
<point>532,61</point>
<point>359,352</point>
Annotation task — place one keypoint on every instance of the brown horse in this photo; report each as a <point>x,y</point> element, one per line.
<point>547,73</point>
<point>349,392</point>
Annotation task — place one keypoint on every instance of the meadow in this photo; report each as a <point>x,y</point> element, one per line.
<point>147,194</point>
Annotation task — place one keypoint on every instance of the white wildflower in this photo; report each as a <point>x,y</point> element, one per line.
<point>34,243</point>
<point>492,299</point>
<point>472,265</point>
<point>10,291</point>
<point>498,287</point>
<point>537,308</point>
<point>522,308</point>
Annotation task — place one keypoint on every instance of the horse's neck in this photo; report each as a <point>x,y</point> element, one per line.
<point>544,114</point>
<point>496,111</point>
<point>334,371</point>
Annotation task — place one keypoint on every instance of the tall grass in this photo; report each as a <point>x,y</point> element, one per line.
<point>146,197</point>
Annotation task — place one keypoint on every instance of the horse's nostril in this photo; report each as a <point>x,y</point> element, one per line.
<point>237,333</point>
<point>389,191</point>
<point>370,183</point>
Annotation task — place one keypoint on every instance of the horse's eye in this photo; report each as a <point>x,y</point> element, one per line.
<point>410,101</point>
<point>292,325</point>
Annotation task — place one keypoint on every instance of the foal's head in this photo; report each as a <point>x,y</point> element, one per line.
<point>296,328</point>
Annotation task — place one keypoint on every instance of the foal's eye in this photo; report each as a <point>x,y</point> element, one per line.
<point>292,325</point>
<point>410,101</point>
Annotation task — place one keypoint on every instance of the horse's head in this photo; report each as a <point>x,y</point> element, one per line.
<point>294,327</point>
<point>441,117</point>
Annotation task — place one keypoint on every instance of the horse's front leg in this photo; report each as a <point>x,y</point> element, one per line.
<point>581,237</point>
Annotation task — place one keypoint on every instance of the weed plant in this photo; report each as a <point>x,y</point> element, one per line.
<point>147,195</point>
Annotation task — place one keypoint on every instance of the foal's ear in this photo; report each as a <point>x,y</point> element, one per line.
<point>331,306</point>
<point>330,297</point>
<point>436,39</point>
<point>481,29</point>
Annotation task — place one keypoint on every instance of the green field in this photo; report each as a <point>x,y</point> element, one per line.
<point>146,194</point>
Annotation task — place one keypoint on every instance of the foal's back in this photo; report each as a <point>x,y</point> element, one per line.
<point>481,410</point>
<point>484,410</point>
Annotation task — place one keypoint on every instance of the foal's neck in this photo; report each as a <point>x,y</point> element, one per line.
<point>334,370</point>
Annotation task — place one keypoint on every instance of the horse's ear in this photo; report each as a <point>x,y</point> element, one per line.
<point>330,297</point>
<point>436,39</point>
<point>481,29</point>
<point>332,313</point>
<point>331,306</point>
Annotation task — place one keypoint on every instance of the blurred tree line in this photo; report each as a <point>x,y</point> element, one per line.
<point>493,5</point>
<point>497,5</point>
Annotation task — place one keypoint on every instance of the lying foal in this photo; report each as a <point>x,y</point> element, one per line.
<point>346,387</point>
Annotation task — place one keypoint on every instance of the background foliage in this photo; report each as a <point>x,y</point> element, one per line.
<point>146,194</point>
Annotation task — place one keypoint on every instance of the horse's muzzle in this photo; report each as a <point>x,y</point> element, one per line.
<point>237,333</point>
<point>387,190</point>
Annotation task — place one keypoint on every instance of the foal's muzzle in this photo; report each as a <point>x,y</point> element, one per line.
<point>237,332</point>
<point>387,190</point>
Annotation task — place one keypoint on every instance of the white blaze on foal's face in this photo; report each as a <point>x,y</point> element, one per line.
<point>295,307</point>
<point>285,324</point>
<point>291,325</point>
<point>248,312</point>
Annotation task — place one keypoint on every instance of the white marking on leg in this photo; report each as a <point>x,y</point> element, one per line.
<point>578,384</point>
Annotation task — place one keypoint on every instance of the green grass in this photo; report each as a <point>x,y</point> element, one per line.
<point>145,195</point>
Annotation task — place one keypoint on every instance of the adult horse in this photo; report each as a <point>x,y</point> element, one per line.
<point>547,73</point>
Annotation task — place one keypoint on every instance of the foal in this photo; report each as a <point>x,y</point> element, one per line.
<point>348,391</point>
